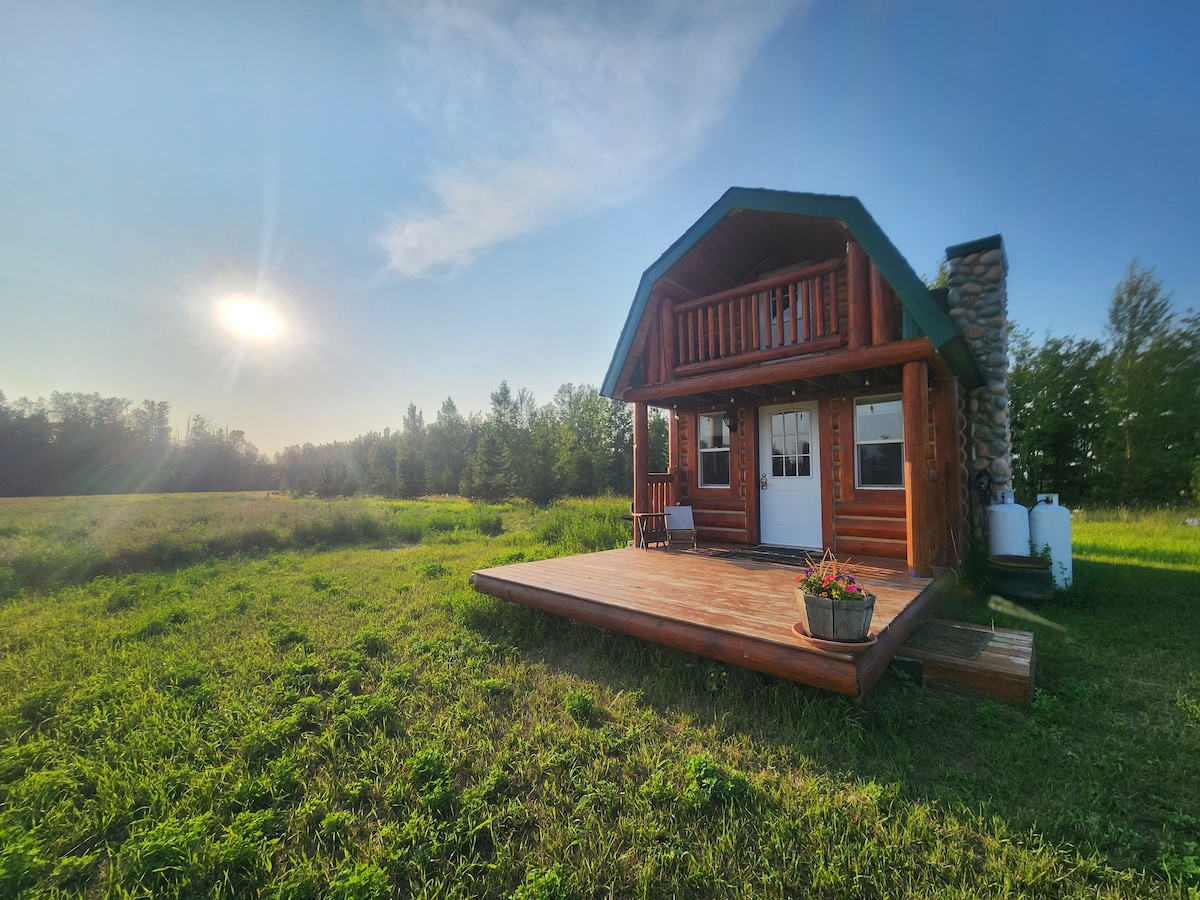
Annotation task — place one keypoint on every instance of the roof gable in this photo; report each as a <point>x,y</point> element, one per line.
<point>918,304</point>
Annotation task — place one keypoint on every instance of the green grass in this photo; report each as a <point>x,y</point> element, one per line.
<point>49,542</point>
<point>1157,539</point>
<point>325,718</point>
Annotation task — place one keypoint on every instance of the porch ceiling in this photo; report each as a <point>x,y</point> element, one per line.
<point>829,371</point>
<point>748,244</point>
<point>882,378</point>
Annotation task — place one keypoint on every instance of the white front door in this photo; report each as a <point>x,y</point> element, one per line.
<point>789,466</point>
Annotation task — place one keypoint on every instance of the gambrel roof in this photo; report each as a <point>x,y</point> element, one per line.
<point>750,231</point>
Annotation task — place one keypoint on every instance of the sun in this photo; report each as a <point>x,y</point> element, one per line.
<point>250,318</point>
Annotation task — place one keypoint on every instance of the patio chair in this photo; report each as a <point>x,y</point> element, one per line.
<point>680,525</point>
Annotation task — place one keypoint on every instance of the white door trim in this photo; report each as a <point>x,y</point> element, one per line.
<point>789,465</point>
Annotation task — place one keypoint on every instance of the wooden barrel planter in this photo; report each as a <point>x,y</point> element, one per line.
<point>835,620</point>
<point>1021,577</point>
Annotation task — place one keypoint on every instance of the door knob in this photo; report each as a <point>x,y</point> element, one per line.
<point>762,481</point>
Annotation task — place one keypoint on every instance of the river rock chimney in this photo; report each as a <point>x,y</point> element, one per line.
<point>978,302</point>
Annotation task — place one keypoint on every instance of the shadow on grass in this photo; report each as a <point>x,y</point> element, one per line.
<point>1104,759</point>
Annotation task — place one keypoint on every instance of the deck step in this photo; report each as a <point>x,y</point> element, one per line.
<point>993,663</point>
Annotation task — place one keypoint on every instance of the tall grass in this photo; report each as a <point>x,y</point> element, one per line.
<point>46,543</point>
<point>584,526</point>
<point>357,722</point>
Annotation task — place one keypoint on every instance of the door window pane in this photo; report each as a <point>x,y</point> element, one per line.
<point>791,447</point>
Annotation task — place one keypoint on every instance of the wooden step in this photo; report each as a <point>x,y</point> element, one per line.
<point>1001,669</point>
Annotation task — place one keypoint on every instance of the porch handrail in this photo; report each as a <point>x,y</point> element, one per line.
<point>664,491</point>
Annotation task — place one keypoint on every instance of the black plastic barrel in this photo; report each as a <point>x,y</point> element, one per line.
<point>1021,577</point>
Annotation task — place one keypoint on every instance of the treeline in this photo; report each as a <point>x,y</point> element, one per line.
<point>1115,421</point>
<point>88,444</point>
<point>579,444</point>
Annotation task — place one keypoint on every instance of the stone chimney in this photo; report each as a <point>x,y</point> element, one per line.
<point>978,300</point>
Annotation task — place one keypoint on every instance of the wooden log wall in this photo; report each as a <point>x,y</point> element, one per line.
<point>722,515</point>
<point>865,522</point>
<point>857,522</point>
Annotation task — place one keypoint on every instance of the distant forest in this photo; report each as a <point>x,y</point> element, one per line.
<point>1100,422</point>
<point>1111,422</point>
<point>88,444</point>
<point>579,444</point>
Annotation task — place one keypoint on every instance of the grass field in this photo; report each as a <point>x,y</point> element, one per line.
<point>248,695</point>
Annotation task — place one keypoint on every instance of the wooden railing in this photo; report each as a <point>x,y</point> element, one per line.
<point>795,312</point>
<point>664,490</point>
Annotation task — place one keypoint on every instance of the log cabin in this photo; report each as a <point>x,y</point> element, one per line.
<point>819,394</point>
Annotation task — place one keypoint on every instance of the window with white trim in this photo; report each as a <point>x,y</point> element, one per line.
<point>879,442</point>
<point>714,451</point>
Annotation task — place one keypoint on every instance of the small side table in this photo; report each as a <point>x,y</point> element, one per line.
<point>651,528</point>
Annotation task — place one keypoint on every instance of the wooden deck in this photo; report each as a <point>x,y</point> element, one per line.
<point>735,610</point>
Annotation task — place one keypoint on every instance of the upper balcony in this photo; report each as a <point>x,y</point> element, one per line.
<point>788,314</point>
<point>772,289</point>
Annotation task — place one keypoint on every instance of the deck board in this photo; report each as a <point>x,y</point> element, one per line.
<point>735,610</point>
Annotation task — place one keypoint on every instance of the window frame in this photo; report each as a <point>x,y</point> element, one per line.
<point>725,432</point>
<point>858,443</point>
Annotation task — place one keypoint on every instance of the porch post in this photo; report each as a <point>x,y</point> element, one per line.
<point>641,463</point>
<point>673,461</point>
<point>916,468</point>
<point>950,455</point>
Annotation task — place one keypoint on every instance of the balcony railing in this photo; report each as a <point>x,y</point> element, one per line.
<point>796,312</point>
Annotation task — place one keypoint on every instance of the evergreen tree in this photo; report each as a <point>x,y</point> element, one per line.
<point>1151,384</point>
<point>488,475</point>
<point>447,449</point>
<point>1057,416</point>
<point>410,455</point>
<point>381,463</point>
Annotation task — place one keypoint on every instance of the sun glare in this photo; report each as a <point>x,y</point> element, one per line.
<point>250,318</point>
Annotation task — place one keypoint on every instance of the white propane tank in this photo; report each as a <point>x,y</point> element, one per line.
<point>1050,528</point>
<point>1008,525</point>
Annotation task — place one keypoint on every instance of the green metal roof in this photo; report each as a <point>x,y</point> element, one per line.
<point>918,305</point>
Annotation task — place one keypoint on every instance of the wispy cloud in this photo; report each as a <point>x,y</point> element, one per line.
<point>537,110</point>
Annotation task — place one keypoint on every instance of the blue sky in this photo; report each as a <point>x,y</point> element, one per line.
<point>437,196</point>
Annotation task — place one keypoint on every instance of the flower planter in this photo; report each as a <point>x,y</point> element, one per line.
<point>836,620</point>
